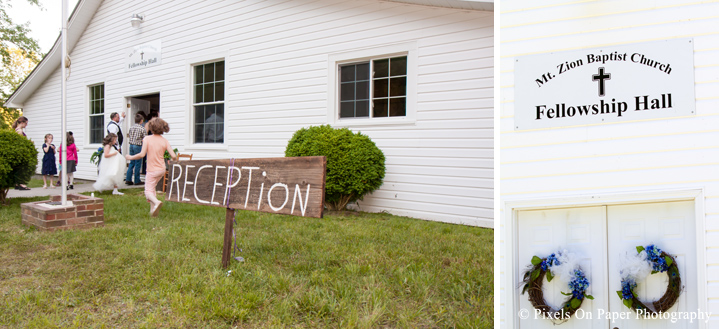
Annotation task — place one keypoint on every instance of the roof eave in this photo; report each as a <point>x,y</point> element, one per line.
<point>78,21</point>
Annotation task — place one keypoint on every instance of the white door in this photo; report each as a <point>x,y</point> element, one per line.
<point>671,227</point>
<point>578,230</point>
<point>136,105</point>
<point>602,234</point>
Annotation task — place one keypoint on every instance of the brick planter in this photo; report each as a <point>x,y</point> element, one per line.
<point>85,212</point>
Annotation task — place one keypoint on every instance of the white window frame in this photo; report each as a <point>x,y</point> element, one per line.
<point>190,126</point>
<point>88,114</point>
<point>335,60</point>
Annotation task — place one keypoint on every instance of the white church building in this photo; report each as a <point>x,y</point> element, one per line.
<point>609,141</point>
<point>238,78</point>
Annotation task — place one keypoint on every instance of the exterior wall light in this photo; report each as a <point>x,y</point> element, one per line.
<point>137,20</point>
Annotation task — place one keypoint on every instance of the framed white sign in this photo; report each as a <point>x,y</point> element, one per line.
<point>144,55</point>
<point>609,84</point>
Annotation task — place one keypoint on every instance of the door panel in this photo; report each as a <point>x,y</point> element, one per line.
<point>578,230</point>
<point>136,105</point>
<point>670,226</point>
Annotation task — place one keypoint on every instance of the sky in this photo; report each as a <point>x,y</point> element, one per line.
<point>45,24</point>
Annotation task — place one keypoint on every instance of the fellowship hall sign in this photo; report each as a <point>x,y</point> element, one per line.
<point>609,84</point>
<point>144,55</point>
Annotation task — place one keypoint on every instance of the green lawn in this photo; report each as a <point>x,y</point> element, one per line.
<point>37,181</point>
<point>350,271</point>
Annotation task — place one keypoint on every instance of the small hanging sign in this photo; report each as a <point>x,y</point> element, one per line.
<point>144,55</point>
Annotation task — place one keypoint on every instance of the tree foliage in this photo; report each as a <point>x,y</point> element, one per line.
<point>20,54</point>
<point>355,165</point>
<point>18,160</point>
<point>13,35</point>
<point>11,76</point>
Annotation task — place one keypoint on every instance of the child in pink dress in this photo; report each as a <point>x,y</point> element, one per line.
<point>154,146</point>
<point>71,159</point>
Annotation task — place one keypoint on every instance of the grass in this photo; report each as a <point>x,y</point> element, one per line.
<point>37,182</point>
<point>344,271</point>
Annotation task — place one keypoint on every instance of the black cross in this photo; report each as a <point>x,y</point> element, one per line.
<point>601,77</point>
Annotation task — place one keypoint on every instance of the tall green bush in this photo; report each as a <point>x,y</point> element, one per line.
<point>355,165</point>
<point>18,160</point>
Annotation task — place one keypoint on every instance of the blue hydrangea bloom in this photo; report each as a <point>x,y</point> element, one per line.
<point>659,264</point>
<point>579,284</point>
<point>550,261</point>
<point>628,286</point>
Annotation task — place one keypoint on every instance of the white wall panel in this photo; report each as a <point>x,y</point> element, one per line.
<point>276,62</point>
<point>675,153</point>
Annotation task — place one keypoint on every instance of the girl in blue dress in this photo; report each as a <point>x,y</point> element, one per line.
<point>48,161</point>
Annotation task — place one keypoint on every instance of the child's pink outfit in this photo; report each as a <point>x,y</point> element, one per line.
<point>71,157</point>
<point>156,147</point>
<point>71,152</point>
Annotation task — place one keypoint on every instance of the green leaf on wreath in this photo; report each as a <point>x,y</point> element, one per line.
<point>575,303</point>
<point>565,294</point>
<point>654,272</point>
<point>535,274</point>
<point>639,249</point>
<point>526,287</point>
<point>589,297</point>
<point>549,276</point>
<point>628,303</point>
<point>536,260</point>
<point>621,296</point>
<point>669,260</point>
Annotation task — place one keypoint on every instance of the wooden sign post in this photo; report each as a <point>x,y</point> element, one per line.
<point>291,186</point>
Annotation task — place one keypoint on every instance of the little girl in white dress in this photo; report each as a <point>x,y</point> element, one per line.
<point>112,167</point>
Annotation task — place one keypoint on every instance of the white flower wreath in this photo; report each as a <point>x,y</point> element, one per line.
<point>635,268</point>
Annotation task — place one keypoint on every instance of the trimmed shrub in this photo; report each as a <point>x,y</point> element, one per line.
<point>355,165</point>
<point>18,160</point>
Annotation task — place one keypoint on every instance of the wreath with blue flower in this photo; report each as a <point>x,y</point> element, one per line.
<point>534,278</point>
<point>660,262</point>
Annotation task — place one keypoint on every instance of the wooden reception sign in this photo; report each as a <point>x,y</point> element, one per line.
<point>291,186</point>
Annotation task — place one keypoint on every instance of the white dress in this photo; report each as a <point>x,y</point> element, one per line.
<point>112,172</point>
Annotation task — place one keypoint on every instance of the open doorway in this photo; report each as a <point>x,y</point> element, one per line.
<point>147,104</point>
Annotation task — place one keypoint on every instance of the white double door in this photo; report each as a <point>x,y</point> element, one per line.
<point>136,105</point>
<point>599,235</point>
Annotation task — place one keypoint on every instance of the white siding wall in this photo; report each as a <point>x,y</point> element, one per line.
<point>620,157</point>
<point>276,52</point>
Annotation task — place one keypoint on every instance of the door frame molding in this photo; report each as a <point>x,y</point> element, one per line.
<point>512,268</point>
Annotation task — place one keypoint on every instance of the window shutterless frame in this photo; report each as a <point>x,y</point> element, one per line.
<point>96,124</point>
<point>374,82</point>
<point>353,56</point>
<point>208,102</point>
